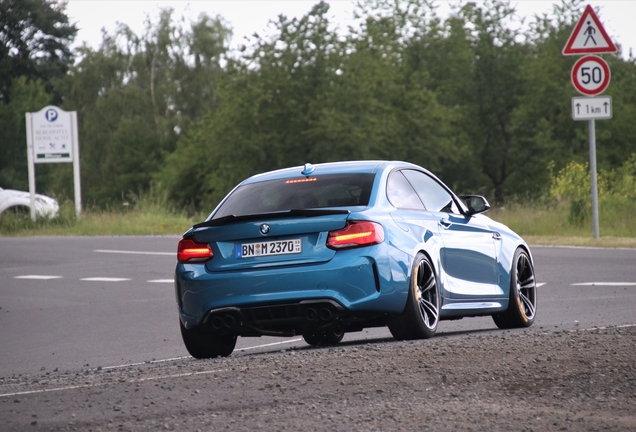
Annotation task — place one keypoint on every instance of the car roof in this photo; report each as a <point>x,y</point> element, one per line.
<point>357,167</point>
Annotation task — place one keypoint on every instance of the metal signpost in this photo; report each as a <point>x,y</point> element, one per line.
<point>590,77</point>
<point>52,138</point>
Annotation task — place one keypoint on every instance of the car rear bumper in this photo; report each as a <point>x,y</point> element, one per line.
<point>352,284</point>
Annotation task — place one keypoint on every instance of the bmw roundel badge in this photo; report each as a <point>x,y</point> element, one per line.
<point>265,229</point>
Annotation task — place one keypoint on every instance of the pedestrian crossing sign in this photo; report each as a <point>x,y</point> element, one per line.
<point>589,36</point>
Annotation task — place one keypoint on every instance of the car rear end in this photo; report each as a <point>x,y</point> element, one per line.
<point>286,254</point>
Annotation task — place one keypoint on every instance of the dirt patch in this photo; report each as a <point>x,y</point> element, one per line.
<point>513,380</point>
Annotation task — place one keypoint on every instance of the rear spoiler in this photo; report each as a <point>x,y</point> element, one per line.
<point>273,215</point>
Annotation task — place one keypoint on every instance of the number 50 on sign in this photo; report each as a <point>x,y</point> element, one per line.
<point>591,75</point>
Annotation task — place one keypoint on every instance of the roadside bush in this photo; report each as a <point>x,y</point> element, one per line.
<point>570,187</point>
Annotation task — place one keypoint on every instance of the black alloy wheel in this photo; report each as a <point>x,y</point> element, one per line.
<point>522,306</point>
<point>421,314</point>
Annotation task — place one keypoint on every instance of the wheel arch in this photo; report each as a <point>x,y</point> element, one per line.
<point>19,207</point>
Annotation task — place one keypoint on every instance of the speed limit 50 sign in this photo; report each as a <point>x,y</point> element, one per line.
<point>591,75</point>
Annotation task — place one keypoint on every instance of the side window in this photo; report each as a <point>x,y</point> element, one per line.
<point>401,193</point>
<point>432,194</point>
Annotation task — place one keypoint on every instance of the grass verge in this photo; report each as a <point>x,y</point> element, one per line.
<point>140,220</point>
<point>537,225</point>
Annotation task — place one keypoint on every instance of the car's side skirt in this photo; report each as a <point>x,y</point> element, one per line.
<point>468,309</point>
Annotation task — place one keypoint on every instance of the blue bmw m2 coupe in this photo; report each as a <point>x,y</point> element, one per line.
<point>321,250</point>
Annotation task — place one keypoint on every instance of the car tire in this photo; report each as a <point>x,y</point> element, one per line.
<point>330,337</point>
<point>420,317</point>
<point>202,345</point>
<point>522,306</point>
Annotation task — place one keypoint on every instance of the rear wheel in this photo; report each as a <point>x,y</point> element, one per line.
<point>421,314</point>
<point>522,306</point>
<point>330,337</point>
<point>201,344</point>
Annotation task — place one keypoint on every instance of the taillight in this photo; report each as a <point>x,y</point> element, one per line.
<point>190,251</point>
<point>356,234</point>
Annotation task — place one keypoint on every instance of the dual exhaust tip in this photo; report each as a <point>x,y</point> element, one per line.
<point>322,314</point>
<point>226,321</point>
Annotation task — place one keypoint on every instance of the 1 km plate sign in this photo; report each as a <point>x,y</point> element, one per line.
<point>591,75</point>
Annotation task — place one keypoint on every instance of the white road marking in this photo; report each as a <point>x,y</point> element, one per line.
<point>605,284</point>
<point>91,279</point>
<point>148,362</point>
<point>37,277</point>
<point>134,252</point>
<point>105,279</point>
<point>269,344</point>
<point>186,357</point>
<point>144,379</point>
<point>152,378</point>
<point>540,284</point>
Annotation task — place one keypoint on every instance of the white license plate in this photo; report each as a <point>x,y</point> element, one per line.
<point>249,250</point>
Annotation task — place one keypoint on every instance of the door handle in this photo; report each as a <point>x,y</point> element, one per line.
<point>445,223</point>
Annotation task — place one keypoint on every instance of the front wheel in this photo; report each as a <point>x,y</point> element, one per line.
<point>202,345</point>
<point>421,314</point>
<point>522,306</point>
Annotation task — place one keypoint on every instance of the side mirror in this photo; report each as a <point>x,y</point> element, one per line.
<point>475,203</point>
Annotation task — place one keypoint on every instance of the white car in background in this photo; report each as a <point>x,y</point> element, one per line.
<point>19,200</point>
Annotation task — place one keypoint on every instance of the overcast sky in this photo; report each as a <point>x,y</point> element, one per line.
<point>249,16</point>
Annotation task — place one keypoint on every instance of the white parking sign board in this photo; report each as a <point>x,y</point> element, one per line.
<point>52,137</point>
<point>51,131</point>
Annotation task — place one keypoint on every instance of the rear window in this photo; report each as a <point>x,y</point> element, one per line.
<point>334,190</point>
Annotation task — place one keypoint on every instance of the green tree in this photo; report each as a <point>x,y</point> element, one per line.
<point>35,38</point>
<point>136,95</point>
<point>306,95</point>
<point>25,96</point>
<point>379,105</point>
<point>268,101</point>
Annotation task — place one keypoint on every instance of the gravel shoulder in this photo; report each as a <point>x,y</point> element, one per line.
<point>512,380</point>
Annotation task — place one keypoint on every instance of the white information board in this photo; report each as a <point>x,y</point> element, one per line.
<point>52,137</point>
<point>52,132</point>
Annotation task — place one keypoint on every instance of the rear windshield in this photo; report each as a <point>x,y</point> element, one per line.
<point>335,190</point>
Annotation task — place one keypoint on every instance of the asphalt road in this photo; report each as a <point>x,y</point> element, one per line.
<point>70,303</point>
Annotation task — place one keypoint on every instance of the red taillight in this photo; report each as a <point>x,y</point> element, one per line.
<point>191,251</point>
<point>356,234</point>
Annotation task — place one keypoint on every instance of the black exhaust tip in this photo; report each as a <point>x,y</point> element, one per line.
<point>217,322</point>
<point>229,321</point>
<point>311,314</point>
<point>326,314</point>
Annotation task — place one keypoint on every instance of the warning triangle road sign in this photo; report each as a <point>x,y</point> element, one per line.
<point>589,36</point>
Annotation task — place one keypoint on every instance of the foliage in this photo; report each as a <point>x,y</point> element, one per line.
<point>145,214</point>
<point>136,95</point>
<point>24,96</point>
<point>478,96</point>
<point>35,43</point>
<point>35,38</point>
<point>616,191</point>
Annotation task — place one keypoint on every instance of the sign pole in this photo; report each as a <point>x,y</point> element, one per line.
<point>590,77</point>
<point>593,183</point>
<point>30,163</point>
<point>76,166</point>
